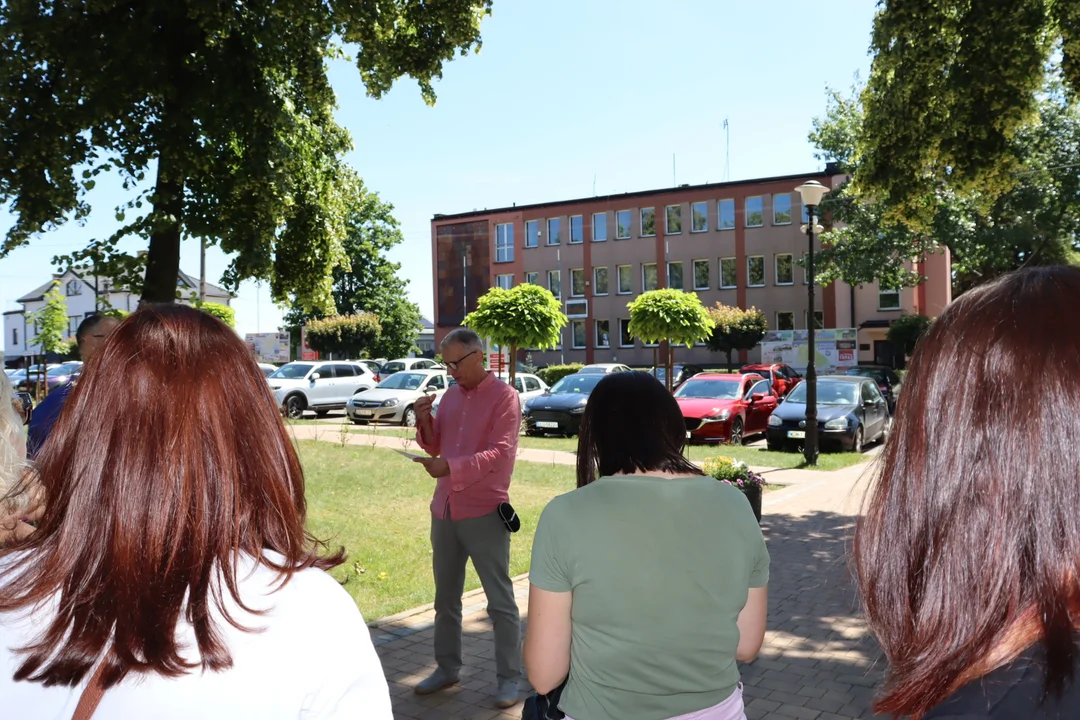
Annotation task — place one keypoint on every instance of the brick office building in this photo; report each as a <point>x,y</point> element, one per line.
<point>737,243</point>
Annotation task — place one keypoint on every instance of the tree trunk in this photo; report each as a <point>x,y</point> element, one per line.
<point>163,258</point>
<point>669,362</point>
<point>729,363</point>
<point>513,363</point>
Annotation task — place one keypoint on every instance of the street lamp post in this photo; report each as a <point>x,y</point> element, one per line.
<point>811,192</point>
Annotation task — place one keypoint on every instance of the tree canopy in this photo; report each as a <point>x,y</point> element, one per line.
<point>952,83</point>
<point>367,281</point>
<point>905,333</point>
<point>350,335</point>
<point>224,313</point>
<point>735,329</point>
<point>673,315</point>
<point>526,315</point>
<point>218,119</point>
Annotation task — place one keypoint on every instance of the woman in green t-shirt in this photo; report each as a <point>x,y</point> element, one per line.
<point>648,582</point>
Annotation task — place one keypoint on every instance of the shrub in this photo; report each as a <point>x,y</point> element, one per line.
<point>733,472</point>
<point>554,373</point>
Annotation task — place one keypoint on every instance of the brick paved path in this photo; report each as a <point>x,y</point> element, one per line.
<point>817,661</point>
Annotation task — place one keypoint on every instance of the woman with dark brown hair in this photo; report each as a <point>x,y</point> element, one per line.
<point>968,554</point>
<point>171,568</point>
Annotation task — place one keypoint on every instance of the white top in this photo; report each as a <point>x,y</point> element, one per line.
<point>314,659</point>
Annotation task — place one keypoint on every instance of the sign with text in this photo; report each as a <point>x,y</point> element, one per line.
<point>835,349</point>
<point>269,347</point>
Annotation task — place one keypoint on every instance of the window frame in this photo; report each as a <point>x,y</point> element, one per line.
<point>764,278</point>
<point>629,224</point>
<point>790,216</point>
<point>581,272</point>
<point>596,334</point>
<point>667,219</point>
<point>533,278</point>
<point>557,224</point>
<point>886,291</point>
<point>776,269</point>
<point>682,272</point>
<point>535,235</point>
<point>584,334</point>
<point>499,278</point>
<point>596,284</point>
<point>633,340</point>
<point>603,225</point>
<point>790,313</point>
<point>504,244</point>
<point>708,273</point>
<point>734,264</point>
<point>656,270</point>
<point>558,275</point>
<point>618,279</point>
<point>806,319</point>
<point>641,222</point>
<point>581,228</point>
<point>693,216</point>
<point>720,214</point>
<point>760,211</point>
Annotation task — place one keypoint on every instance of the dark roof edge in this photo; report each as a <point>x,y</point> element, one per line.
<point>829,171</point>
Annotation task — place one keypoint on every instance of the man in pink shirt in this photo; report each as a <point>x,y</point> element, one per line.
<point>472,442</point>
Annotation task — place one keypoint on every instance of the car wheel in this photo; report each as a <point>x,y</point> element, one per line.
<point>359,422</point>
<point>857,443</point>
<point>321,413</point>
<point>887,431</point>
<point>736,433</point>
<point>409,418</point>
<point>294,406</point>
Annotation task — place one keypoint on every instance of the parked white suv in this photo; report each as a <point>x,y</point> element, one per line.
<point>318,386</point>
<point>393,366</point>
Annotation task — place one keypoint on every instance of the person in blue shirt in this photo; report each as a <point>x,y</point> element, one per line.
<point>89,337</point>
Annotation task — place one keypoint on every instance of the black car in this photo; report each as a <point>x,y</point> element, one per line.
<point>681,373</point>
<point>559,410</point>
<point>886,378</point>
<point>852,413</point>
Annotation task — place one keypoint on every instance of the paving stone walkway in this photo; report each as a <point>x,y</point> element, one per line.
<point>817,661</point>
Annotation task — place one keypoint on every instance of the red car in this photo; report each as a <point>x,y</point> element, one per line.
<point>725,407</point>
<point>782,377</point>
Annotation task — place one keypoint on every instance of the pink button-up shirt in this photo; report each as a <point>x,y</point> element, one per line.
<point>476,431</point>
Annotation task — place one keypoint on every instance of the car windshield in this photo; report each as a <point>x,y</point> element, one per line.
<point>293,371</point>
<point>717,389</point>
<point>65,369</point>
<point>403,381</point>
<point>872,373</point>
<point>576,384</point>
<point>392,367</point>
<point>829,393</point>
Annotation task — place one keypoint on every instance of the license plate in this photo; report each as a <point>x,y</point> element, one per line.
<point>689,433</point>
<point>546,424</point>
<point>796,434</point>
<point>365,413</point>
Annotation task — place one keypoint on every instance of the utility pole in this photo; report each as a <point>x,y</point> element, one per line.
<point>202,270</point>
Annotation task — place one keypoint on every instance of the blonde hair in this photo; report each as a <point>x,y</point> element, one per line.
<point>12,449</point>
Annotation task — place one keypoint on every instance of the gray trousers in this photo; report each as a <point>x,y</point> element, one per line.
<point>487,541</point>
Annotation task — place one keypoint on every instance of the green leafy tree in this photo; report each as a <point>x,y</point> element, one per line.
<point>1035,222</point>
<point>904,334</point>
<point>217,117</point>
<point>51,322</point>
<point>367,281</point>
<point>524,316</point>
<point>951,85</point>
<point>348,335</point>
<point>224,313</point>
<point>672,315</point>
<point>735,329</point>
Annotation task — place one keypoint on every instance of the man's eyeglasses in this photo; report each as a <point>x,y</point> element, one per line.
<point>454,365</point>
<point>23,404</point>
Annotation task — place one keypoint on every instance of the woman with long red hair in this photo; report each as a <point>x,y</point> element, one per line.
<point>968,554</point>
<point>171,575</point>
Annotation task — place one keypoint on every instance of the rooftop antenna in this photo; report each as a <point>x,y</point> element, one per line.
<point>594,184</point>
<point>727,151</point>
<point>674,182</point>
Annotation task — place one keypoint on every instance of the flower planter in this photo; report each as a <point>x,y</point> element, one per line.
<point>753,494</point>
<point>736,473</point>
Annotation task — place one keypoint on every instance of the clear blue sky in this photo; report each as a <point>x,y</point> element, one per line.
<point>562,92</point>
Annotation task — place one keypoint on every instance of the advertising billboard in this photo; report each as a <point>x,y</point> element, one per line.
<point>835,349</point>
<point>269,347</point>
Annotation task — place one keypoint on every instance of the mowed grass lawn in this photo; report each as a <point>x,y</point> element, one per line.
<point>375,502</point>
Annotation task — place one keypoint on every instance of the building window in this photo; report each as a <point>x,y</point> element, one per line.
<point>72,288</point>
<point>532,233</point>
<point>729,274</point>
<point>625,338</point>
<point>819,317</point>
<point>725,213</point>
<point>648,277</point>
<point>648,222</point>
<point>888,299</point>
<point>504,281</point>
<point>673,219</point>
<point>603,334</point>
<point>577,229</point>
<point>555,283</point>
<point>14,336</point>
<point>675,275</point>
<point>577,333</point>
<point>73,325</point>
<point>626,279</point>
<point>805,214</point>
<point>754,215</point>
<point>577,282</point>
<point>599,227</point>
<point>504,243</point>
<point>805,265</point>
<point>600,281</point>
<point>755,271</point>
<point>781,209</point>
<point>701,274</point>
<point>577,309</point>
<point>785,320</point>
<point>699,217</point>
<point>532,277</point>
<point>785,269</point>
<point>554,231</point>
<point>622,225</point>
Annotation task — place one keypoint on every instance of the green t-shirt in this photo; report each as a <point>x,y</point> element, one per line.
<point>660,569</point>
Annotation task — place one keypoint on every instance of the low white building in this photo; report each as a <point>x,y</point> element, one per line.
<point>84,295</point>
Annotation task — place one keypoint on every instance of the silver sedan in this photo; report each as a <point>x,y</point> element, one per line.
<point>392,400</point>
